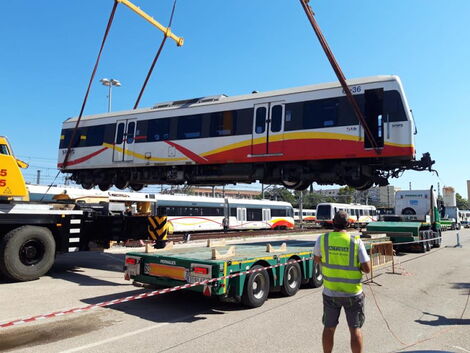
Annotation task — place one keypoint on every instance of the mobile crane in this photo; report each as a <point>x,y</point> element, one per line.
<point>32,233</point>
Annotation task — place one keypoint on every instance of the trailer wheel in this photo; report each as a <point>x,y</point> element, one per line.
<point>317,279</point>
<point>27,253</point>
<point>292,280</point>
<point>437,242</point>
<point>256,288</point>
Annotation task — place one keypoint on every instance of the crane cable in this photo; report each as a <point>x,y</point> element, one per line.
<point>165,36</point>
<point>339,74</point>
<point>74,132</point>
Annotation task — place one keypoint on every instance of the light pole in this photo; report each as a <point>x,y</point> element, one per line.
<point>110,83</point>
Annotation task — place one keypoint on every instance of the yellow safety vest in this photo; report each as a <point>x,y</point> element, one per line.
<point>340,263</point>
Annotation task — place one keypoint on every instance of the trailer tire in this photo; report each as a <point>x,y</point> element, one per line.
<point>27,253</point>
<point>256,289</point>
<point>292,279</point>
<point>438,241</point>
<point>317,279</point>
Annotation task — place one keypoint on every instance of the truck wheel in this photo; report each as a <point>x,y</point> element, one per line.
<point>428,243</point>
<point>317,279</point>
<point>422,244</point>
<point>27,253</point>
<point>256,288</point>
<point>437,242</point>
<point>292,279</point>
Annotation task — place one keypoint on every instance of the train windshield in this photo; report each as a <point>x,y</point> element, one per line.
<point>324,212</point>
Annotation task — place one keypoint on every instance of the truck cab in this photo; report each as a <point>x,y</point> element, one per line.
<point>12,184</point>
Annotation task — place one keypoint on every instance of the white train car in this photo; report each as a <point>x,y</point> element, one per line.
<point>308,215</point>
<point>359,215</point>
<point>292,137</point>
<point>193,213</point>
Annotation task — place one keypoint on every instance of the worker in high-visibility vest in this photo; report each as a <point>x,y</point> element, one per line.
<point>159,227</point>
<point>343,258</point>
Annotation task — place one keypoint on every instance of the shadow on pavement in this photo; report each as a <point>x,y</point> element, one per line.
<point>442,321</point>
<point>181,306</point>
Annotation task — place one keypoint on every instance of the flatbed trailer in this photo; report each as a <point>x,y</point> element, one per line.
<point>404,235</point>
<point>289,267</point>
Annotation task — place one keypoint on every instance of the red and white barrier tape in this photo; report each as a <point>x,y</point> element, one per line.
<point>143,295</point>
<point>157,292</point>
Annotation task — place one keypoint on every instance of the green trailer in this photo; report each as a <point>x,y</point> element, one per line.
<point>404,235</point>
<point>180,266</point>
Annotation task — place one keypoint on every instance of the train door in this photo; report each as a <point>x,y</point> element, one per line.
<point>268,129</point>
<point>124,139</point>
<point>374,99</point>
<point>241,215</point>
<point>266,215</point>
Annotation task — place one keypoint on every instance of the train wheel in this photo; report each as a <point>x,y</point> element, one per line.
<point>136,187</point>
<point>299,185</point>
<point>121,183</point>
<point>88,185</point>
<point>104,186</point>
<point>256,288</point>
<point>360,184</point>
<point>292,279</point>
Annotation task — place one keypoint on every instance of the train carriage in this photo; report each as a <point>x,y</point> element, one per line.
<point>193,213</point>
<point>359,215</point>
<point>292,137</point>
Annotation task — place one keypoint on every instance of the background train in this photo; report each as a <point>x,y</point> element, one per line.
<point>308,215</point>
<point>186,213</point>
<point>291,137</point>
<point>359,215</point>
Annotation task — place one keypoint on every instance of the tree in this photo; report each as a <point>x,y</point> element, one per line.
<point>346,194</point>
<point>462,204</point>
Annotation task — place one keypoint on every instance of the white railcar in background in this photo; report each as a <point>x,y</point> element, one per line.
<point>308,215</point>
<point>359,215</point>
<point>193,213</point>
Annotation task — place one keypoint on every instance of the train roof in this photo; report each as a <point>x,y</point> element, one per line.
<point>222,98</point>
<point>335,204</point>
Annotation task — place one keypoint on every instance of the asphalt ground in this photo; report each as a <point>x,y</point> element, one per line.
<point>423,307</point>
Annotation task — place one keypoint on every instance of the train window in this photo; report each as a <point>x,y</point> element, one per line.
<point>260,126</point>
<point>393,108</point>
<point>189,127</point>
<point>276,212</point>
<point>130,132</point>
<point>158,129</point>
<point>212,211</point>
<point>293,116</point>
<point>320,113</point>
<point>221,123</point>
<point>276,118</point>
<point>95,135</point>
<point>254,214</point>
<point>243,121</point>
<point>324,211</point>
<point>346,115</point>
<point>120,133</point>
<point>233,212</point>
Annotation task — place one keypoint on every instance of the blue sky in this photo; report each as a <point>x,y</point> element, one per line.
<point>48,49</point>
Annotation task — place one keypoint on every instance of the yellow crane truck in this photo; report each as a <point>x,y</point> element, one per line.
<point>32,233</point>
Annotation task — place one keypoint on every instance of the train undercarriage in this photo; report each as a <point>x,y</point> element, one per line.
<point>360,174</point>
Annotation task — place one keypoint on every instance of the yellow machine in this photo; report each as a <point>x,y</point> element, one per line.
<point>12,183</point>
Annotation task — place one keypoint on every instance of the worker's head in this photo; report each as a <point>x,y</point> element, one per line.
<point>340,221</point>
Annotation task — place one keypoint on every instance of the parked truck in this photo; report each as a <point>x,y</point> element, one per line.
<point>32,233</point>
<point>415,224</point>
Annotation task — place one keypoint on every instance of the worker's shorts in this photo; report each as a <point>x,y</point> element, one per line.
<point>353,306</point>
